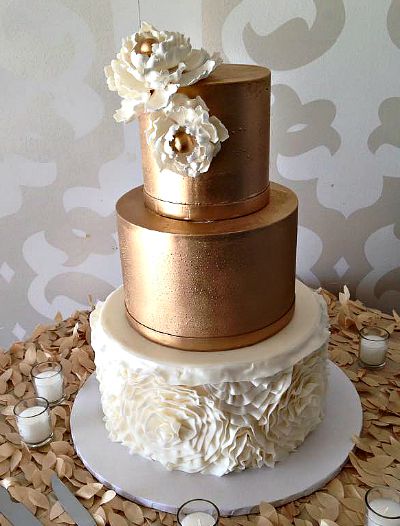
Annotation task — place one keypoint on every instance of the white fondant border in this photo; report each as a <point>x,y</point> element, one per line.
<point>307,332</point>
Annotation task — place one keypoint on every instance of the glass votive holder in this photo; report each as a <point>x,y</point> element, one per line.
<point>198,512</point>
<point>33,421</point>
<point>48,381</point>
<point>382,507</point>
<point>374,343</point>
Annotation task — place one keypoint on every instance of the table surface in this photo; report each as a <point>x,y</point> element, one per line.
<point>27,473</point>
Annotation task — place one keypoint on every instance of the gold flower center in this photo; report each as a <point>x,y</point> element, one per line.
<point>183,142</point>
<point>145,46</point>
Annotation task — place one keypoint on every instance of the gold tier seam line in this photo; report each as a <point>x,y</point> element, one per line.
<point>274,327</point>
<point>225,226</point>
<point>204,213</point>
<point>216,205</point>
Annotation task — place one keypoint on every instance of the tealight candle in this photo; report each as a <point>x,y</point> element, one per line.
<point>198,518</point>
<point>383,507</point>
<point>373,346</point>
<point>198,512</point>
<point>49,382</point>
<point>33,421</point>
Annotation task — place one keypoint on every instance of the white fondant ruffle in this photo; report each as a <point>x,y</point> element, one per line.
<point>203,429</point>
<point>112,334</point>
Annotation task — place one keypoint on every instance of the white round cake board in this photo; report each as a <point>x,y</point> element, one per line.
<point>146,482</point>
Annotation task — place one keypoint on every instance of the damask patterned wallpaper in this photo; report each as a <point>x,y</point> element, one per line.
<point>64,161</point>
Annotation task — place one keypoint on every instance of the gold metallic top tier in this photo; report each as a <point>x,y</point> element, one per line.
<point>237,182</point>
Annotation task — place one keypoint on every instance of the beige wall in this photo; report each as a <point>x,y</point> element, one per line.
<point>64,162</point>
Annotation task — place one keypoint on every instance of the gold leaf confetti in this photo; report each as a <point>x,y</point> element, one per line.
<point>117,520</point>
<point>133,512</point>
<point>107,497</point>
<point>38,499</point>
<point>56,511</point>
<point>88,491</point>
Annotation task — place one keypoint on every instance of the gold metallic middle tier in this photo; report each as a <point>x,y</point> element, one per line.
<point>209,286</point>
<point>236,183</point>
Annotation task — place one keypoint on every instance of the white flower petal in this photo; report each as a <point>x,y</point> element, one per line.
<point>190,115</point>
<point>172,62</point>
<point>222,132</point>
<point>130,109</point>
<point>160,98</point>
<point>204,70</point>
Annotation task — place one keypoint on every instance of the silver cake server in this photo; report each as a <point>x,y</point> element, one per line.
<point>15,512</point>
<point>71,504</point>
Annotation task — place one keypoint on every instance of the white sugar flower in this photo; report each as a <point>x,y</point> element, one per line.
<point>174,425</point>
<point>151,66</point>
<point>184,137</point>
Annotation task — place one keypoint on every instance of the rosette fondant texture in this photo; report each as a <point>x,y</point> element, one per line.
<point>150,68</point>
<point>184,137</point>
<point>211,428</point>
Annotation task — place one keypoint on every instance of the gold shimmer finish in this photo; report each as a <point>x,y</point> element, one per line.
<point>239,95</point>
<point>209,286</point>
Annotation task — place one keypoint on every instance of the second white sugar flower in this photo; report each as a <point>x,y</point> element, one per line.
<point>150,68</point>
<point>184,137</point>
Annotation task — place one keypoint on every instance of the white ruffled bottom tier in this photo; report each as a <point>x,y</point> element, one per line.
<point>211,428</point>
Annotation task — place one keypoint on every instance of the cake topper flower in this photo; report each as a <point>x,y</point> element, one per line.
<point>184,137</point>
<point>150,68</point>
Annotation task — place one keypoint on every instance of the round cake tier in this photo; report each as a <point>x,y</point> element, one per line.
<point>236,183</point>
<point>209,286</point>
<point>306,332</point>
<point>212,413</point>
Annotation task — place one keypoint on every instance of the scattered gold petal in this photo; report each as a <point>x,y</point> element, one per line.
<point>314,512</point>
<point>38,499</point>
<point>108,496</point>
<point>55,511</point>
<point>263,521</point>
<point>82,475</point>
<point>88,491</point>
<point>64,518</point>
<point>62,448</point>
<point>283,521</point>
<point>15,459</point>
<point>133,512</point>
<point>6,450</point>
<point>354,504</point>
<point>30,355</point>
<point>100,521</point>
<point>268,511</point>
<point>335,488</point>
<point>49,460</point>
<point>392,482</point>
<point>116,520</point>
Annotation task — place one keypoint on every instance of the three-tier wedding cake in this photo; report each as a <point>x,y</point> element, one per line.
<point>211,358</point>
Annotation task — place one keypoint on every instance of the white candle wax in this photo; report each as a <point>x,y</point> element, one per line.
<point>37,427</point>
<point>49,385</point>
<point>199,518</point>
<point>373,349</point>
<point>387,507</point>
